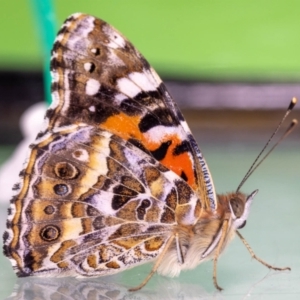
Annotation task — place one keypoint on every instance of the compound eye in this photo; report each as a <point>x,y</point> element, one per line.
<point>237,206</point>
<point>242,225</point>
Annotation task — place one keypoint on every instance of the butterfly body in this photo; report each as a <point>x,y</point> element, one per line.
<point>199,242</point>
<point>115,179</point>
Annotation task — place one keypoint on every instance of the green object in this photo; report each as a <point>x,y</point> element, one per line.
<point>46,23</point>
<point>242,40</point>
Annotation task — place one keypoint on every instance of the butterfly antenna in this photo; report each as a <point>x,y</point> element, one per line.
<point>287,132</point>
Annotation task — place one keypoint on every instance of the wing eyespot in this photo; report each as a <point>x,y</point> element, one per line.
<point>61,189</point>
<point>49,209</point>
<point>50,233</point>
<point>89,67</point>
<point>66,170</point>
<point>96,51</point>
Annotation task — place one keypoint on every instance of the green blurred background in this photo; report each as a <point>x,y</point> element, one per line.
<point>211,54</point>
<point>195,39</point>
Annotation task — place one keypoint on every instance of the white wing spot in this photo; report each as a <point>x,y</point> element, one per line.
<point>55,100</point>
<point>54,75</point>
<point>156,77</point>
<point>127,87</point>
<point>158,133</point>
<point>92,108</point>
<point>81,154</point>
<point>115,39</point>
<point>119,98</point>
<point>66,95</point>
<point>143,81</point>
<point>54,55</point>
<point>119,40</point>
<point>88,66</point>
<point>92,86</point>
<point>59,38</point>
<point>185,126</point>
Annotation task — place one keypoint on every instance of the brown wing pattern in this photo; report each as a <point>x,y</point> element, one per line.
<point>92,204</point>
<point>99,78</point>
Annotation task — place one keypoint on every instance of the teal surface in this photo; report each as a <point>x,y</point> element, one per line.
<point>272,231</point>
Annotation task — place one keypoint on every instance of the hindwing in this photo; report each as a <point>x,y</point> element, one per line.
<point>92,204</point>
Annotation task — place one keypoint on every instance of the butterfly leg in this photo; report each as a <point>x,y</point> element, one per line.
<point>257,258</point>
<point>179,249</point>
<point>217,253</point>
<point>155,267</point>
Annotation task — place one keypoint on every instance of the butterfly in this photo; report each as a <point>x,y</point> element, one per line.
<point>115,179</point>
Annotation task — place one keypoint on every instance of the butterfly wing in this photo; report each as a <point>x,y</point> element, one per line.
<point>92,204</point>
<point>99,78</point>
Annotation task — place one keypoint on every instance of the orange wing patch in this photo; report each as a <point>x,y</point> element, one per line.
<point>127,127</point>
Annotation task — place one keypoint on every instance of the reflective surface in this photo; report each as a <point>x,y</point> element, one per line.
<point>272,230</point>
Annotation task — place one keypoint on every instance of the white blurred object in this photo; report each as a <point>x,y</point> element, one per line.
<point>31,123</point>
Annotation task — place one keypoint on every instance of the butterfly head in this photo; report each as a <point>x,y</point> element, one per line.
<point>239,205</point>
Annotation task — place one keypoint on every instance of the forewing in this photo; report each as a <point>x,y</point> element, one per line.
<point>92,204</point>
<point>99,78</point>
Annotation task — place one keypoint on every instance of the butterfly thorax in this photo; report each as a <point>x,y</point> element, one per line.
<point>233,209</point>
<point>200,242</point>
<point>193,243</point>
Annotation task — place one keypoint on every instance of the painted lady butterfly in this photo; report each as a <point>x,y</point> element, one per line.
<point>116,179</point>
